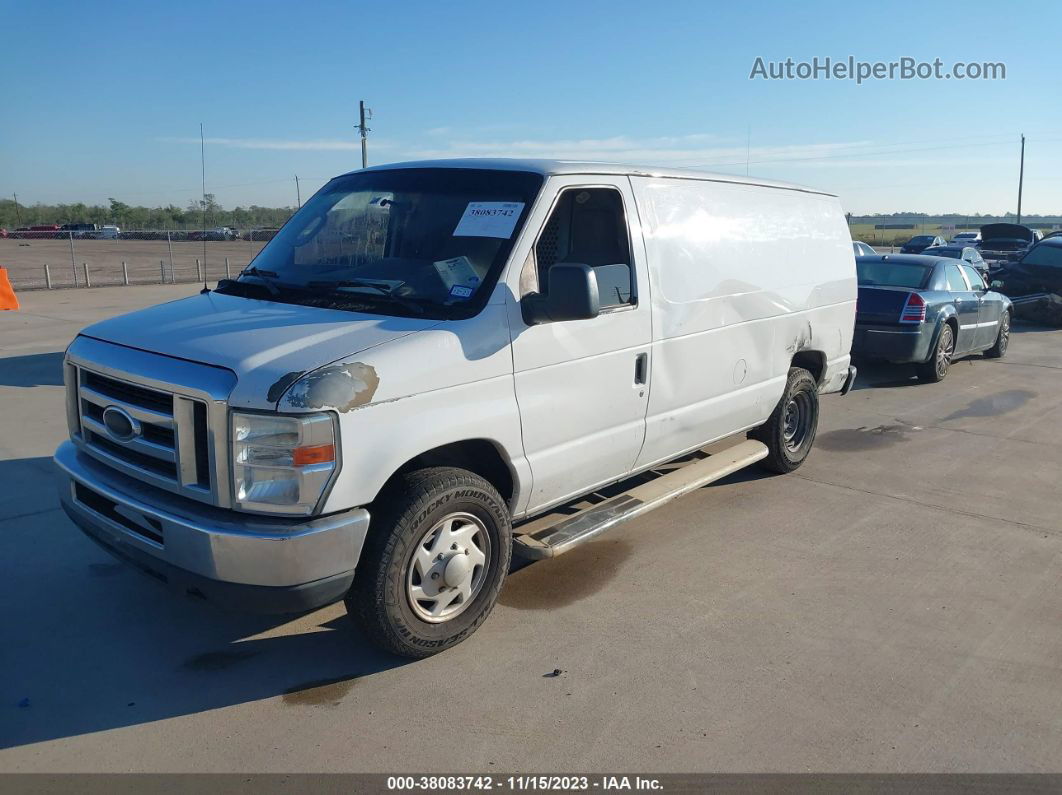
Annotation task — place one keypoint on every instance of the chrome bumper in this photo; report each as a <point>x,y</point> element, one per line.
<point>246,561</point>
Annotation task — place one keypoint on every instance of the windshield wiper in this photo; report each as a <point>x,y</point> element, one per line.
<point>265,277</point>
<point>384,288</point>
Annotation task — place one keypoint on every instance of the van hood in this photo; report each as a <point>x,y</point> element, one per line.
<point>268,345</point>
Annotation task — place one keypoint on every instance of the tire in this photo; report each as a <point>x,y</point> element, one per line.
<point>999,350</point>
<point>789,432</point>
<point>408,548</point>
<point>936,368</point>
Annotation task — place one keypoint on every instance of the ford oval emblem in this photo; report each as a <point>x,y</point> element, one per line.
<point>120,426</point>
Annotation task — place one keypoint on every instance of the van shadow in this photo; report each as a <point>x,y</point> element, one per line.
<point>34,369</point>
<point>92,644</point>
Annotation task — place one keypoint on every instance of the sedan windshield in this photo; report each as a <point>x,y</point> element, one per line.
<point>421,241</point>
<point>920,239</point>
<point>1044,256</point>
<point>940,251</point>
<point>892,274</point>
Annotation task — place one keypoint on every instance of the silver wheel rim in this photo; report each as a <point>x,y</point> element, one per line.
<point>796,421</point>
<point>447,567</point>
<point>1004,333</point>
<point>944,351</point>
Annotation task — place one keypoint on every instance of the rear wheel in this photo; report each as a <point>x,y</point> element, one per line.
<point>999,350</point>
<point>434,562</point>
<point>937,367</point>
<point>790,431</point>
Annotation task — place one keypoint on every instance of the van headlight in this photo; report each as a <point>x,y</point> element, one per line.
<point>281,464</point>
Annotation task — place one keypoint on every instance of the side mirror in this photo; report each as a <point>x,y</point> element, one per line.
<point>571,295</point>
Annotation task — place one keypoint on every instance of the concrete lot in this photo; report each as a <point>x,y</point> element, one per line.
<point>893,606</point>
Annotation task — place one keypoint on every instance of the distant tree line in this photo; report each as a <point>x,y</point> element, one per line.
<point>958,220</point>
<point>198,214</point>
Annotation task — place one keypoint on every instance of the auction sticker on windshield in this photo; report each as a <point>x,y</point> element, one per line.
<point>489,219</point>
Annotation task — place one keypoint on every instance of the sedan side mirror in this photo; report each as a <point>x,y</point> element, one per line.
<point>571,295</point>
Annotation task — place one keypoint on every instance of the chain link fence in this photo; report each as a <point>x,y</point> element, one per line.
<point>39,258</point>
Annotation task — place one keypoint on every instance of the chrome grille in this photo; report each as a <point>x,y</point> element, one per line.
<point>171,447</point>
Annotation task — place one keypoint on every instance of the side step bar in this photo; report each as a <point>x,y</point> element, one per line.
<point>553,535</point>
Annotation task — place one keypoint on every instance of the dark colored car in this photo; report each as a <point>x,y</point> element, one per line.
<point>965,253</point>
<point>1003,243</point>
<point>1034,282</point>
<point>919,243</point>
<point>927,311</point>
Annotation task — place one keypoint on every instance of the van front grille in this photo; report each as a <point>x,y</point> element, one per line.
<point>170,442</point>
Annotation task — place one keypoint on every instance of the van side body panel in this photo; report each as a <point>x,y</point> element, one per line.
<point>450,383</point>
<point>581,410</point>
<point>743,278</point>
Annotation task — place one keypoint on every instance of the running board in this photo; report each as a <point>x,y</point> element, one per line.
<point>553,534</point>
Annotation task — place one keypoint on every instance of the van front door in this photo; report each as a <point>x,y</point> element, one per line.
<point>583,385</point>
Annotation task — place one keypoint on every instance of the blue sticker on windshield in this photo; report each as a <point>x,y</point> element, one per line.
<point>460,291</point>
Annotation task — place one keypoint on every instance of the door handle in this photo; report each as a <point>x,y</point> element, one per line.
<point>640,365</point>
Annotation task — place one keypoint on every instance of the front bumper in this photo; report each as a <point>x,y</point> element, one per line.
<point>898,345</point>
<point>255,563</point>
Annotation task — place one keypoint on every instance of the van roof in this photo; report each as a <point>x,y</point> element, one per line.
<point>558,167</point>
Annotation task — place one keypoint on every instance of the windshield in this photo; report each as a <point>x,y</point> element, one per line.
<point>940,251</point>
<point>920,239</point>
<point>1044,256</point>
<point>423,241</point>
<point>892,274</point>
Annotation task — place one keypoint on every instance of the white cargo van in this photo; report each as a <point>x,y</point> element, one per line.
<point>432,362</point>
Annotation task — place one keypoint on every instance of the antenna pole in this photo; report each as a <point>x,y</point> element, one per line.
<point>202,162</point>
<point>1021,175</point>
<point>298,193</point>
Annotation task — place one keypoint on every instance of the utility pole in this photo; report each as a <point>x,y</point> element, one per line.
<point>298,193</point>
<point>1021,175</point>
<point>365,113</point>
<point>18,215</point>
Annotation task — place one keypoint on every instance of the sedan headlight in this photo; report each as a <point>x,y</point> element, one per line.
<point>281,464</point>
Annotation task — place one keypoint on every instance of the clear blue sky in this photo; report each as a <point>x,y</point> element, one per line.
<point>106,100</point>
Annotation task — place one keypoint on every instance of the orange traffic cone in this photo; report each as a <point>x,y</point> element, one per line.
<point>7,292</point>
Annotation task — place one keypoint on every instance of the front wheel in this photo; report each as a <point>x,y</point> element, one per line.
<point>937,367</point>
<point>999,350</point>
<point>434,562</point>
<point>790,431</point>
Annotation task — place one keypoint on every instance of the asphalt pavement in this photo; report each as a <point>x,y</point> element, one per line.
<point>892,606</point>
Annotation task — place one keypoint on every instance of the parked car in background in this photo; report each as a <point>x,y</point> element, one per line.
<point>861,249</point>
<point>966,239</point>
<point>3,233</point>
<point>1003,243</point>
<point>927,311</point>
<point>37,232</point>
<point>1034,283</point>
<point>919,243</point>
<point>109,232</point>
<point>965,253</point>
<point>81,230</point>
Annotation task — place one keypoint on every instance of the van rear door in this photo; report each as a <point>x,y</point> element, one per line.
<point>582,385</point>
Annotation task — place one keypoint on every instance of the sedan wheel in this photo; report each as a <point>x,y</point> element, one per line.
<point>937,367</point>
<point>999,350</point>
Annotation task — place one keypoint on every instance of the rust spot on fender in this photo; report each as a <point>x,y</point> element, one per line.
<point>339,386</point>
